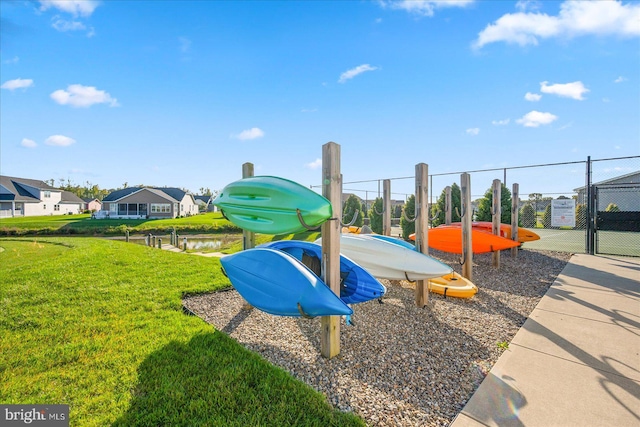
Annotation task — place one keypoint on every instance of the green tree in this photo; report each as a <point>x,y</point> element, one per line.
<point>438,210</point>
<point>581,216</point>
<point>375,216</point>
<point>527,216</point>
<point>351,205</point>
<point>397,211</point>
<point>546,217</point>
<point>484,206</point>
<point>409,210</point>
<point>612,207</point>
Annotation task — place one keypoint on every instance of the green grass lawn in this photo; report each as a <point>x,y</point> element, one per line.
<point>98,325</point>
<point>83,224</point>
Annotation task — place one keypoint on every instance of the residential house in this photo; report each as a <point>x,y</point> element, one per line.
<point>148,202</point>
<point>32,197</point>
<point>204,203</point>
<point>70,203</point>
<point>92,204</point>
<point>623,191</point>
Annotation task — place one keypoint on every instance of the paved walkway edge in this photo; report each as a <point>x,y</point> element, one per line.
<point>576,360</point>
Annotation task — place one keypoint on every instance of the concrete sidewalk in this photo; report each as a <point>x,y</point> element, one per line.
<point>576,360</point>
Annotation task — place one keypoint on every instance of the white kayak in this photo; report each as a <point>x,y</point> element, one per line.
<point>386,260</point>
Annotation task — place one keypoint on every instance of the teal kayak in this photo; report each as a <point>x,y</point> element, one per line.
<point>272,205</point>
<point>277,283</point>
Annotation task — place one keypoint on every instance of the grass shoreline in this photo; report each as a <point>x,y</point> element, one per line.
<point>98,324</point>
<point>83,224</point>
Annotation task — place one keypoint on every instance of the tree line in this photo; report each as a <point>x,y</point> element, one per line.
<point>535,212</point>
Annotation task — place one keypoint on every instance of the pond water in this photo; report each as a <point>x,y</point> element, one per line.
<point>203,244</point>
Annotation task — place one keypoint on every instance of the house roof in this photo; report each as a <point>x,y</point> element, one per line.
<point>205,199</point>
<point>69,197</point>
<point>12,188</point>
<point>629,178</point>
<point>90,199</point>
<point>174,194</point>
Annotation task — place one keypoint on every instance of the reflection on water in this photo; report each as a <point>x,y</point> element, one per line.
<point>195,243</point>
<point>200,244</point>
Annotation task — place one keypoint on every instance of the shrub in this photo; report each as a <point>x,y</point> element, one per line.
<point>546,217</point>
<point>484,206</point>
<point>612,208</point>
<point>352,205</point>
<point>375,216</point>
<point>440,207</point>
<point>581,216</point>
<point>527,216</point>
<point>408,227</point>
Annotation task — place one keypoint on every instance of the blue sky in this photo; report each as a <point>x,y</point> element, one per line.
<point>183,93</point>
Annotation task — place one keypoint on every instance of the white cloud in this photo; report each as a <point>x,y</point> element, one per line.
<point>83,96</point>
<point>534,119</point>
<point>573,90</point>
<point>29,143</point>
<point>533,97</point>
<point>17,84</point>
<point>501,122</point>
<point>524,5</point>
<point>59,141</point>
<point>349,74</point>
<point>620,79</point>
<point>567,126</point>
<point>576,18</point>
<point>473,131</point>
<point>185,44</point>
<point>74,7</point>
<point>252,133</point>
<point>317,163</point>
<point>63,25</point>
<point>423,7</point>
<point>13,60</point>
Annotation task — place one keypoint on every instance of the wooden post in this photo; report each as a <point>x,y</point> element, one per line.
<point>447,205</point>
<point>422,218</point>
<point>496,211</point>
<point>467,248</point>
<point>176,242</point>
<point>515,199</point>
<point>159,243</point>
<point>126,236</point>
<point>386,207</point>
<point>153,240</point>
<point>331,189</point>
<point>248,237</point>
<point>184,244</point>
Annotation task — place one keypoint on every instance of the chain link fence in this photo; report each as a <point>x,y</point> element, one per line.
<point>602,197</point>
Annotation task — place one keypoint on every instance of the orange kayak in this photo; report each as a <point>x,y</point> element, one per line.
<point>524,235</point>
<point>449,239</point>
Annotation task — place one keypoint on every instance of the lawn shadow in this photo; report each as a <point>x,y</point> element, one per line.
<point>211,380</point>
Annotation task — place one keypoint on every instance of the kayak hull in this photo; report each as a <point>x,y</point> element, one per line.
<point>453,285</point>
<point>386,260</point>
<point>357,284</point>
<point>449,239</point>
<point>524,235</point>
<point>276,283</point>
<point>270,205</point>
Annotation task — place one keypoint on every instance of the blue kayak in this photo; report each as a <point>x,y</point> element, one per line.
<point>277,283</point>
<point>356,283</point>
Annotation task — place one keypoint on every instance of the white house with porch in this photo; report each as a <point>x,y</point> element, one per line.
<point>148,202</point>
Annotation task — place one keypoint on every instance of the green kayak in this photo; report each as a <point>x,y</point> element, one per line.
<point>272,205</point>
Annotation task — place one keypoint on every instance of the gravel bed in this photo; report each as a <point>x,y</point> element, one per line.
<point>400,365</point>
